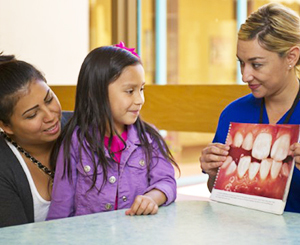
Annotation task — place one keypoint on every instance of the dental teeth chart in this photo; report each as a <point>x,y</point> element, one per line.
<point>257,172</point>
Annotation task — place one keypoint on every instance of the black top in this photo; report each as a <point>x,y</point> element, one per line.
<point>16,203</point>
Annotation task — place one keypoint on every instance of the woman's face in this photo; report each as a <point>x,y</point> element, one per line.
<point>126,96</point>
<point>36,116</point>
<point>265,72</point>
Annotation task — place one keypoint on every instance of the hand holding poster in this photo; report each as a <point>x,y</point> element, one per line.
<point>259,167</point>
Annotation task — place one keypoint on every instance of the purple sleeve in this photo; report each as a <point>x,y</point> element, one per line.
<point>63,192</point>
<point>162,177</point>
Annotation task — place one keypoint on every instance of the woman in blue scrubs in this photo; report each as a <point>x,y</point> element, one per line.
<point>268,50</point>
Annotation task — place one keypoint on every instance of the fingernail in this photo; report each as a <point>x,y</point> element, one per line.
<point>225,153</point>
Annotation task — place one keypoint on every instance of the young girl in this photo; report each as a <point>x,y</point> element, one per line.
<point>109,158</point>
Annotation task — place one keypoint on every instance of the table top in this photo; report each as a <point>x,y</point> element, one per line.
<point>185,222</point>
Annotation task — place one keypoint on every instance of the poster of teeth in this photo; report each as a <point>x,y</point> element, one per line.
<point>258,170</point>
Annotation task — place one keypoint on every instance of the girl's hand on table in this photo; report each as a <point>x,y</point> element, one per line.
<point>143,205</point>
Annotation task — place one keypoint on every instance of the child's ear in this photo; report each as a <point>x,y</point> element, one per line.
<point>6,128</point>
<point>293,56</point>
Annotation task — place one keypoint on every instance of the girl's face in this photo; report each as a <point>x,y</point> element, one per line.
<point>126,96</point>
<point>265,72</point>
<point>36,116</point>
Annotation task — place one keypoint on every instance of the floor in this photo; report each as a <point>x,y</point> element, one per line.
<point>193,192</point>
<point>192,183</point>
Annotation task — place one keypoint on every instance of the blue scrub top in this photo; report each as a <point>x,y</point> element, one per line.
<point>247,110</point>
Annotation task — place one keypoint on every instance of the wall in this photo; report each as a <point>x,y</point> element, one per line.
<point>207,42</point>
<point>53,35</point>
<point>100,23</point>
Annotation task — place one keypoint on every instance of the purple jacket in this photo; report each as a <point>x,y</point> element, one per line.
<point>71,198</point>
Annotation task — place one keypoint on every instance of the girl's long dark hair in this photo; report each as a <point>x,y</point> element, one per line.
<point>92,116</point>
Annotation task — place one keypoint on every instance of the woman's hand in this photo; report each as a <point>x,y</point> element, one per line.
<point>295,148</point>
<point>211,159</point>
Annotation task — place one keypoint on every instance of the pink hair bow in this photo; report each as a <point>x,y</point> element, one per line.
<point>131,50</point>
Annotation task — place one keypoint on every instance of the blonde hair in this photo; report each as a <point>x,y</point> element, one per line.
<point>276,27</point>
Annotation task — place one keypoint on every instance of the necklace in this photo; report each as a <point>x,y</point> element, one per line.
<point>45,170</point>
<point>290,111</point>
